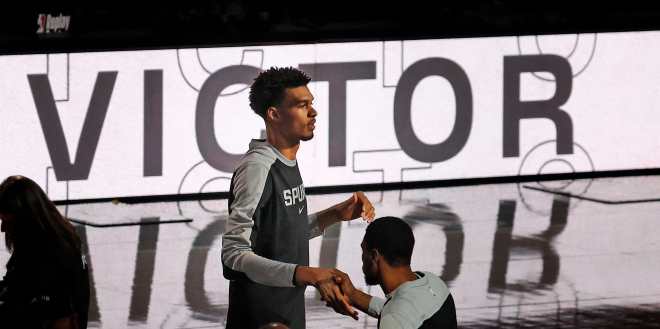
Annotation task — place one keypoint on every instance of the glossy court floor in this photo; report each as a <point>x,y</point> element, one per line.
<point>512,256</point>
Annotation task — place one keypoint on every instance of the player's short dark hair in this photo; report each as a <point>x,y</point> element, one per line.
<point>393,238</point>
<point>268,88</point>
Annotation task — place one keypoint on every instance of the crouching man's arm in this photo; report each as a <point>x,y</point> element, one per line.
<point>364,302</point>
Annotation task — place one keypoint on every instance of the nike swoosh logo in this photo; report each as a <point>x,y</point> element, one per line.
<point>300,210</point>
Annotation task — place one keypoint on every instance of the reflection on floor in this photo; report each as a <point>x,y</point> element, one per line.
<point>513,257</point>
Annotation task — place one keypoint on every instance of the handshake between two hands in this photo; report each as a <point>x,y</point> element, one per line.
<point>337,291</point>
<point>335,287</point>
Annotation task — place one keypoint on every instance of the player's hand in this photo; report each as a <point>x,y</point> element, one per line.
<point>344,282</point>
<point>323,280</point>
<point>332,295</point>
<point>358,205</point>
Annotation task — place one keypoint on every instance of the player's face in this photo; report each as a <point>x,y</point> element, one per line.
<point>298,114</point>
<point>369,266</point>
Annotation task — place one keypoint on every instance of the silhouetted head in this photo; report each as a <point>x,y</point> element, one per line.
<point>30,219</point>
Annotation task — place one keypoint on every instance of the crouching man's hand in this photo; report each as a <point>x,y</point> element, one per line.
<point>356,297</point>
<point>323,280</point>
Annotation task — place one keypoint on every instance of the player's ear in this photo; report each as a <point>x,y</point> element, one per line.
<point>272,114</point>
<point>375,255</point>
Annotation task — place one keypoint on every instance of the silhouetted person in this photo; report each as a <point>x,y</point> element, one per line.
<point>46,284</point>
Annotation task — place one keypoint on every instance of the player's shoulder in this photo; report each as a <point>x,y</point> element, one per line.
<point>435,281</point>
<point>256,159</point>
<point>418,299</point>
<point>259,154</point>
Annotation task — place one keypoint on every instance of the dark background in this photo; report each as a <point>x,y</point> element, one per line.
<point>115,25</point>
